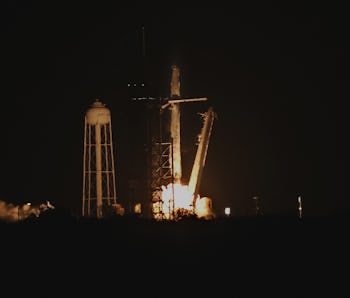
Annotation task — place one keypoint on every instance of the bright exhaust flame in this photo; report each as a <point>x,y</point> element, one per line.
<point>177,201</point>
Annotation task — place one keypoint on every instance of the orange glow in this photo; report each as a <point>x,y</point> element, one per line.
<point>13,213</point>
<point>177,199</point>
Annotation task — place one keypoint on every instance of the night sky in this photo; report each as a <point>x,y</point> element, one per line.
<point>275,75</point>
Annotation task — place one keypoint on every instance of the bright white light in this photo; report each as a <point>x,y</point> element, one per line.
<point>29,204</point>
<point>137,208</point>
<point>49,205</point>
<point>227,211</point>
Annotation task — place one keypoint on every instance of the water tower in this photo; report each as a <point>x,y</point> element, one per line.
<point>99,188</point>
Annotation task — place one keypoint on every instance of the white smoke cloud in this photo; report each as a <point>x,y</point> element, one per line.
<point>204,208</point>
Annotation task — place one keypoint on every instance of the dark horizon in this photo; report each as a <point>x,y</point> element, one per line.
<point>276,76</point>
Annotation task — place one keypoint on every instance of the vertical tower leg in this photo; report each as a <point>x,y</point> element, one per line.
<point>84,172</point>
<point>112,160</point>
<point>98,171</point>
<point>89,171</point>
<point>107,168</point>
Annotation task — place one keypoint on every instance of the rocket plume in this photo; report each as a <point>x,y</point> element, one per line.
<point>177,202</point>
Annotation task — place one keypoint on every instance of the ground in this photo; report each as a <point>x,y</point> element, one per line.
<point>216,258</point>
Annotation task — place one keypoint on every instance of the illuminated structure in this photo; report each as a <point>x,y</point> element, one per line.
<point>175,123</point>
<point>201,155</point>
<point>172,199</point>
<point>175,160</point>
<point>257,207</point>
<point>300,208</point>
<point>99,188</point>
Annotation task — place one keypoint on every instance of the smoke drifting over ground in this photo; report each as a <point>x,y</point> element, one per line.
<point>14,213</point>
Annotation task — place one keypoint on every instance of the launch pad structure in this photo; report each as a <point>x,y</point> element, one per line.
<point>164,174</point>
<point>166,168</point>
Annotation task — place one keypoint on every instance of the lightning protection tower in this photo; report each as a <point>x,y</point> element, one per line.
<point>99,189</point>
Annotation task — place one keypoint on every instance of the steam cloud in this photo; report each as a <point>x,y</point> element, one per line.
<point>15,213</point>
